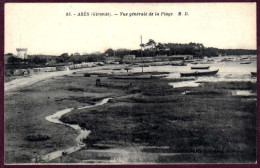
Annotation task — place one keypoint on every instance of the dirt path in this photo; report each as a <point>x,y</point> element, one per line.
<point>26,81</point>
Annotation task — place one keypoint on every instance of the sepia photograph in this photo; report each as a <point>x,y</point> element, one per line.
<point>130,83</point>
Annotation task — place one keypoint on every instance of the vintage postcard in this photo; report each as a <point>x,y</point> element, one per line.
<point>130,83</point>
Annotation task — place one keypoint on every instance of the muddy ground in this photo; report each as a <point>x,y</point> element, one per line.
<point>147,121</point>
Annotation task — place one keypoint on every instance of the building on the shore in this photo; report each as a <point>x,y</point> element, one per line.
<point>76,54</point>
<point>22,53</point>
<point>110,60</point>
<point>62,68</point>
<point>181,57</point>
<point>128,59</point>
<point>164,58</point>
<point>144,59</point>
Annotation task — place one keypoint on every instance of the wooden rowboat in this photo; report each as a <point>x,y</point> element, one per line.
<point>200,67</point>
<point>253,73</point>
<point>199,73</point>
<point>145,76</point>
<point>248,62</point>
<point>144,65</point>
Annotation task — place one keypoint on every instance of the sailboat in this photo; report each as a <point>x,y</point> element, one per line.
<point>134,75</point>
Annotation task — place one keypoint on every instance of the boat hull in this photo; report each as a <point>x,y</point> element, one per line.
<point>194,63</point>
<point>204,67</point>
<point>197,73</point>
<point>179,64</point>
<point>253,73</point>
<point>132,76</point>
<point>245,62</point>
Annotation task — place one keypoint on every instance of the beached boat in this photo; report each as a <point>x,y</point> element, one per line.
<point>161,64</point>
<point>64,153</point>
<point>226,60</point>
<point>199,73</point>
<point>96,74</point>
<point>206,62</point>
<point>179,64</point>
<point>248,62</point>
<point>132,76</point>
<point>194,63</point>
<point>200,67</point>
<point>253,73</point>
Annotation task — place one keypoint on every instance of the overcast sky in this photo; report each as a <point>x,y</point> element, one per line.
<point>45,28</point>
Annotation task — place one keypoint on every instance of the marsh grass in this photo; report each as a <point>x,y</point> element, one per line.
<point>207,121</point>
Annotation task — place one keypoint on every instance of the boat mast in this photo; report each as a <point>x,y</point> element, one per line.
<point>20,40</point>
<point>142,55</point>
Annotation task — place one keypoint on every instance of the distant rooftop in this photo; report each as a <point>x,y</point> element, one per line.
<point>21,49</point>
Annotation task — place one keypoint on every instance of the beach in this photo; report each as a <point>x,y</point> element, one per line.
<point>144,120</point>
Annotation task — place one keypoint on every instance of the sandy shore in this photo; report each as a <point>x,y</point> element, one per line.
<point>29,100</point>
<point>26,81</point>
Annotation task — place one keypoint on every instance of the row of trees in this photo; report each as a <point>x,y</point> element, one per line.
<point>32,60</point>
<point>50,60</point>
<point>237,52</point>
<point>93,57</point>
<point>151,48</point>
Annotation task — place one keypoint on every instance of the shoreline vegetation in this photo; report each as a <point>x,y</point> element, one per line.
<point>184,124</point>
<point>151,51</point>
<point>147,121</point>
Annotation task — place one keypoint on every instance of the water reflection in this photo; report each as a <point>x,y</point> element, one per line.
<point>243,93</point>
<point>82,133</point>
<point>228,71</point>
<point>185,84</point>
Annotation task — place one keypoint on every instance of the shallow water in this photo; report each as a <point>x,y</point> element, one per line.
<point>243,93</point>
<point>185,84</point>
<point>228,71</point>
<point>82,133</point>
